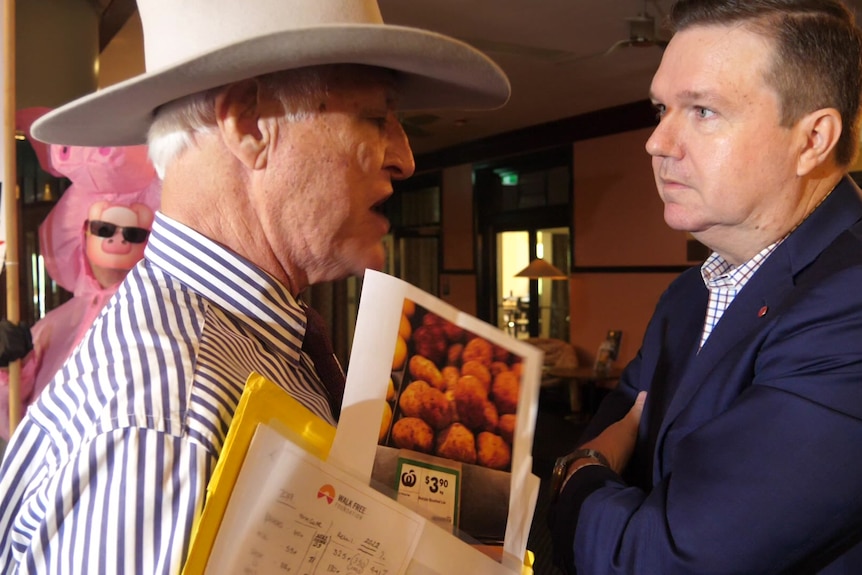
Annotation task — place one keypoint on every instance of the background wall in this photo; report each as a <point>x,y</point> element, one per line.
<point>57,50</point>
<point>123,57</point>
<point>624,254</point>
<point>458,237</point>
<point>618,218</point>
<point>624,301</point>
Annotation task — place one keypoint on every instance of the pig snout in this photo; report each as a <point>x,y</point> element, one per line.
<point>116,245</point>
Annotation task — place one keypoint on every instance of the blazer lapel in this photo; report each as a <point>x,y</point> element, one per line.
<point>749,311</point>
<point>761,298</point>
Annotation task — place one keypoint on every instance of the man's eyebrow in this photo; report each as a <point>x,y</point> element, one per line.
<point>687,96</point>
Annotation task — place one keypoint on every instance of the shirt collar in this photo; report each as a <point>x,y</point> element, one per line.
<point>247,293</point>
<point>718,272</point>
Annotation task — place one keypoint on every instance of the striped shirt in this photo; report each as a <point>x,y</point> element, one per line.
<point>108,470</point>
<point>725,281</point>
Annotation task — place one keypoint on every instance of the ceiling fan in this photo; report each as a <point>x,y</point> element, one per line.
<point>643,31</point>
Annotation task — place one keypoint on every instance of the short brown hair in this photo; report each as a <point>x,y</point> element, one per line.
<point>817,62</point>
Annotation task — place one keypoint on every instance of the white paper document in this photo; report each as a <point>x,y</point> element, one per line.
<point>497,500</point>
<point>293,514</point>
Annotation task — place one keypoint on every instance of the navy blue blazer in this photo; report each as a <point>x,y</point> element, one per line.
<point>749,455</point>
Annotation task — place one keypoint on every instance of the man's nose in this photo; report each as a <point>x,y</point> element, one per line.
<point>664,140</point>
<point>399,155</point>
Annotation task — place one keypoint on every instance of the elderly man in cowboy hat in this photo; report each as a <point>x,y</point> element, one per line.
<point>273,124</point>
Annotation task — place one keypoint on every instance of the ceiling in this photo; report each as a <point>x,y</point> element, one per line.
<point>555,53</point>
<point>552,50</point>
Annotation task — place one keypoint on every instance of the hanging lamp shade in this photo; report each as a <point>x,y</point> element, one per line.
<point>540,269</point>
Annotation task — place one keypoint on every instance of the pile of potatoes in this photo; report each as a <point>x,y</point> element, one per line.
<point>456,395</point>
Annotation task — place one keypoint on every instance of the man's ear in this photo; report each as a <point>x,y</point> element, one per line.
<point>821,129</point>
<point>239,115</point>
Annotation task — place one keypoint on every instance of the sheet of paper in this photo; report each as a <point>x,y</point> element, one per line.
<point>372,368</point>
<point>291,513</point>
<point>262,401</point>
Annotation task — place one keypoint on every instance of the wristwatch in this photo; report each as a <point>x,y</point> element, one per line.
<point>561,467</point>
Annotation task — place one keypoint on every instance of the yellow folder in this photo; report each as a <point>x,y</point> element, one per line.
<point>262,401</point>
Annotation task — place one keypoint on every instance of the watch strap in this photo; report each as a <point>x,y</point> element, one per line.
<point>561,467</point>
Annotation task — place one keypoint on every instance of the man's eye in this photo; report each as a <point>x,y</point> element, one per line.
<point>660,110</point>
<point>703,112</point>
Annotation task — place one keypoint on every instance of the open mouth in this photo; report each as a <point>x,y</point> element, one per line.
<point>379,207</point>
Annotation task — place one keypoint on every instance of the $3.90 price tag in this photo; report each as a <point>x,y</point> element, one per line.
<point>430,486</point>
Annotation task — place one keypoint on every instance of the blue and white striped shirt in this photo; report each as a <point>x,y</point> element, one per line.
<point>108,470</point>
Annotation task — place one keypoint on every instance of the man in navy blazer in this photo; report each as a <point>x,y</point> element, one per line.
<point>733,443</point>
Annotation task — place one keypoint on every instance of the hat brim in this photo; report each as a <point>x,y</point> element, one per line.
<point>435,72</point>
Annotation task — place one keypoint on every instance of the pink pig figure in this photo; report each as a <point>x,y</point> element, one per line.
<point>92,237</point>
<point>116,237</point>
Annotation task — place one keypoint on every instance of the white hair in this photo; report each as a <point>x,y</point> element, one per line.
<point>177,124</point>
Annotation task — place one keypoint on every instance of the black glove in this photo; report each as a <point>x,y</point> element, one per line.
<point>15,342</point>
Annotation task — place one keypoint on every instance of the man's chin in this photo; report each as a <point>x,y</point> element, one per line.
<point>376,265</point>
<point>677,218</point>
<point>373,259</point>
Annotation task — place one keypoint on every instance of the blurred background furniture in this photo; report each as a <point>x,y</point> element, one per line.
<point>561,355</point>
<point>588,385</point>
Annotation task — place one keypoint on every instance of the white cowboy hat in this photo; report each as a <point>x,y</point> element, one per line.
<point>195,45</point>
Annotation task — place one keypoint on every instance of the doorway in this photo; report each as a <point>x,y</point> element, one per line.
<point>525,214</point>
<point>536,307</point>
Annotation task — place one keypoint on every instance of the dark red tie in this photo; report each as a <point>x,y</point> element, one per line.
<point>319,348</point>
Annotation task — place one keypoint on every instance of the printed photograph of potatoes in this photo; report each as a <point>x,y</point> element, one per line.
<point>451,394</point>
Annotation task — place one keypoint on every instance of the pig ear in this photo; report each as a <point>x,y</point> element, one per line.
<point>23,120</point>
<point>145,215</point>
<point>96,210</point>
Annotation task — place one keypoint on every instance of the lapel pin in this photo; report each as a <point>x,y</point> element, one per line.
<point>762,311</point>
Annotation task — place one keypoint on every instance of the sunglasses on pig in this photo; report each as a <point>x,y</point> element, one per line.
<point>107,230</point>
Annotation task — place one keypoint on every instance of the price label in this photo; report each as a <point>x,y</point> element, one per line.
<point>431,486</point>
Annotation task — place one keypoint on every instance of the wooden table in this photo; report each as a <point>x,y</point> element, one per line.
<point>589,380</point>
